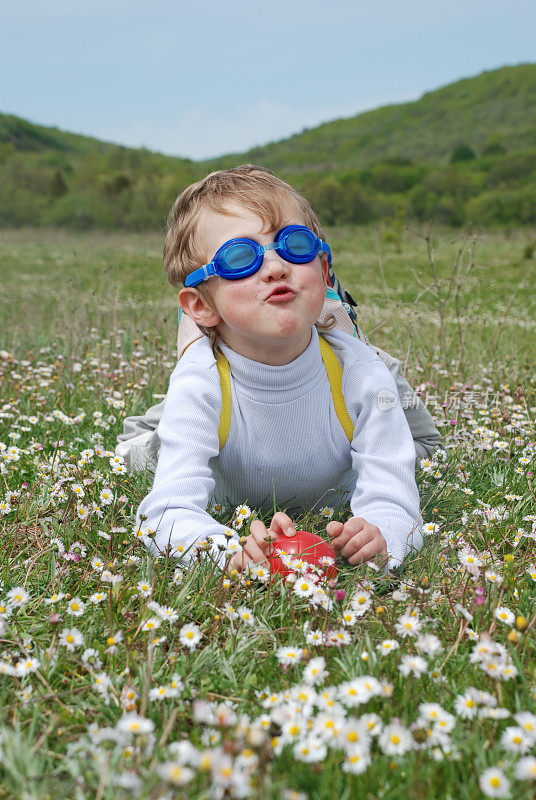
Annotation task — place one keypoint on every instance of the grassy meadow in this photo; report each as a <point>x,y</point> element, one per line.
<point>122,676</point>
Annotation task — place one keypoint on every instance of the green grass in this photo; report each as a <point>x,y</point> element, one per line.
<point>88,328</point>
<point>57,285</point>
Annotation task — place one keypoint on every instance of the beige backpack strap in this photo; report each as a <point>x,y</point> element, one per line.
<point>187,334</point>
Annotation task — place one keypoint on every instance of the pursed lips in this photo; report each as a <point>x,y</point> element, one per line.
<point>282,292</point>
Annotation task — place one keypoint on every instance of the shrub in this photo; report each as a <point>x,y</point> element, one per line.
<point>326,197</point>
<point>512,169</point>
<point>493,147</point>
<point>58,187</point>
<point>462,152</point>
<point>517,206</point>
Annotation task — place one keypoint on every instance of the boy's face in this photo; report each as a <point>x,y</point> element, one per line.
<point>248,317</point>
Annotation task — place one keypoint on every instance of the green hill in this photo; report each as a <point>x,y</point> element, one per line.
<point>499,105</point>
<point>465,152</point>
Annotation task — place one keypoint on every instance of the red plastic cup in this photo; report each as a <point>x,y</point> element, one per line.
<point>303,546</point>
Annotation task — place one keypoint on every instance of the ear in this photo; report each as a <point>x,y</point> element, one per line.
<point>325,269</point>
<point>197,308</point>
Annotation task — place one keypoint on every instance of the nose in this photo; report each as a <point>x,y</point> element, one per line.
<point>273,266</point>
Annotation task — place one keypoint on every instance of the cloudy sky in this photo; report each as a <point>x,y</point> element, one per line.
<point>207,77</point>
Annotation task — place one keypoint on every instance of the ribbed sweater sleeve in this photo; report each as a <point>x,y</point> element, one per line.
<point>383,458</point>
<point>183,483</point>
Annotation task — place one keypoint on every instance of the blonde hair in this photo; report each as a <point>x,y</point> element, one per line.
<point>254,188</point>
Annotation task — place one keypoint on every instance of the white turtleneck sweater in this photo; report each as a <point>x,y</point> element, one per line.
<point>285,440</point>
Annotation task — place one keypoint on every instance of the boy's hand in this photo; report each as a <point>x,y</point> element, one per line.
<point>257,548</point>
<point>357,540</point>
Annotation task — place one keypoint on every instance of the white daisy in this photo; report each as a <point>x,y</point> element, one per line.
<point>526,769</point>
<point>515,739</point>
<point>75,607</point>
<point>176,774</point>
<point>190,635</point>
<point>304,587</point>
<point>528,722</point>
<point>408,625</point>
<point>387,646</point>
<point>71,638</point>
<point>395,739</point>
<point>357,761</point>
<point>246,615</point>
<point>289,655</point>
<point>17,597</point>
<point>414,665</point>
<point>315,671</point>
<point>504,614</point>
<point>494,783</point>
<point>131,723</point>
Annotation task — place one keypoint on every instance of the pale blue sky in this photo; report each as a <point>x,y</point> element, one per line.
<point>204,77</point>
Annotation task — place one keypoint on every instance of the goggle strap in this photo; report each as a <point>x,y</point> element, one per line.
<point>272,246</point>
<point>324,247</point>
<point>201,274</point>
<point>208,270</point>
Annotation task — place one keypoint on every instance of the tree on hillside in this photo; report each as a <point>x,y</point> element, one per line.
<point>462,152</point>
<point>58,187</point>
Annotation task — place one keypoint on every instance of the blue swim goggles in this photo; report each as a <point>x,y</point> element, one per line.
<point>239,258</point>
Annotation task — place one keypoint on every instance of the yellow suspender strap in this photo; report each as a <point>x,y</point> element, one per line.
<point>225,381</point>
<point>333,369</point>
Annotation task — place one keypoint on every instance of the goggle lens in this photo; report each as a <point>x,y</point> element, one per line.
<point>301,243</point>
<point>238,256</point>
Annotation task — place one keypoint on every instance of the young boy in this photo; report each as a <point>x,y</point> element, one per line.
<point>252,256</point>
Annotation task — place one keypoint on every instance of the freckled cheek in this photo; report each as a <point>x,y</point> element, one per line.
<point>320,296</point>
<point>236,304</point>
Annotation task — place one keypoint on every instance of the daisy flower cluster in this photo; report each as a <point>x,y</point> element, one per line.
<point>122,675</point>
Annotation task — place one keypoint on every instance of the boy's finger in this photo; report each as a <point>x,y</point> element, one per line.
<point>258,530</point>
<point>255,553</point>
<point>356,543</point>
<point>344,536</point>
<point>334,528</point>
<point>368,552</point>
<point>339,542</point>
<point>260,537</point>
<point>282,524</point>
<point>349,529</point>
<point>239,561</point>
